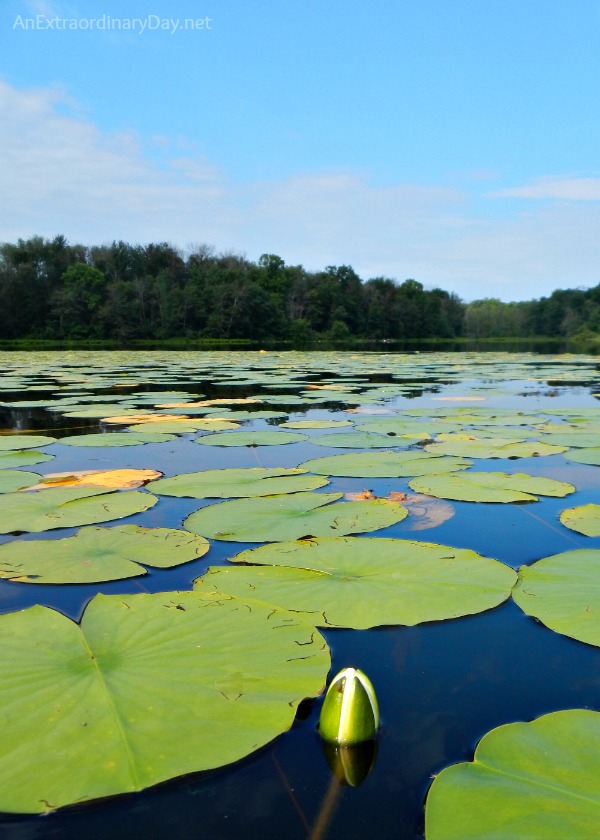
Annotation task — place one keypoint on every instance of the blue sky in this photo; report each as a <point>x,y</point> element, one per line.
<point>457,143</point>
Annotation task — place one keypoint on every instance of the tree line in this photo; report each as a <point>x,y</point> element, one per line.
<point>50,289</point>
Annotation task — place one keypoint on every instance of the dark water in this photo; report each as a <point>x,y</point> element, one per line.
<point>440,685</point>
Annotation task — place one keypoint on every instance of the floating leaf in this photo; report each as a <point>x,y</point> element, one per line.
<point>528,781</point>
<point>10,442</point>
<point>563,591</point>
<point>115,479</point>
<point>156,417</point>
<point>384,464</point>
<point>147,688</point>
<point>68,507</point>
<point>237,483</point>
<point>490,487</point>
<point>251,438</point>
<point>13,480</point>
<point>316,424</point>
<point>363,440</point>
<point>22,458</point>
<point>492,448</point>
<point>98,554</point>
<point>367,582</point>
<point>291,517</point>
<point>117,438</point>
<point>584,519</point>
<point>589,455</point>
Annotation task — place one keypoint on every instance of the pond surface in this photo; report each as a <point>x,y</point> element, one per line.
<point>441,685</point>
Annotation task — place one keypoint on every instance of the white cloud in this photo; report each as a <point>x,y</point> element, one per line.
<point>551,187</point>
<point>62,174</point>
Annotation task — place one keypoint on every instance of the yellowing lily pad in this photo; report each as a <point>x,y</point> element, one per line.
<point>126,479</point>
<point>490,486</point>
<point>99,554</point>
<point>361,583</point>
<point>291,517</point>
<point>584,519</point>
<point>146,688</point>
<point>529,781</point>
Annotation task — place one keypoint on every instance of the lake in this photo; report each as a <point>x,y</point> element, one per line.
<point>441,684</point>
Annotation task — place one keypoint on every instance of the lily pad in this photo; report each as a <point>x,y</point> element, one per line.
<point>316,424</point>
<point>11,442</point>
<point>384,464</point>
<point>527,781</point>
<point>251,438</point>
<point>237,483</point>
<point>492,448</point>
<point>291,517</point>
<point>490,487</point>
<point>126,479</point>
<point>563,591</point>
<point>13,480</point>
<point>363,440</point>
<point>117,438</point>
<point>584,519</point>
<point>589,455</point>
<point>367,582</point>
<point>68,507</point>
<point>147,688</point>
<point>99,554</point>
<point>23,458</point>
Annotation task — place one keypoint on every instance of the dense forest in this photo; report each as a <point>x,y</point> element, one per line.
<point>52,290</point>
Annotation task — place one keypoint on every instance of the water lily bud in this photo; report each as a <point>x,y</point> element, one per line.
<point>350,713</point>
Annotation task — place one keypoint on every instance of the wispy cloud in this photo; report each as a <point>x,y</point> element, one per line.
<point>550,187</point>
<point>61,174</point>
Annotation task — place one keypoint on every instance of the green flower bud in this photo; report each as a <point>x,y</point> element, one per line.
<point>350,713</point>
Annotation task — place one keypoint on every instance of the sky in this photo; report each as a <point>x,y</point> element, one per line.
<point>456,143</point>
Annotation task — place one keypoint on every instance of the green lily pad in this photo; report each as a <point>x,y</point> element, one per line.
<point>563,591</point>
<point>11,442</point>
<point>168,427</point>
<point>589,455</point>
<point>492,448</point>
<point>584,519</point>
<point>367,582</point>
<point>490,487</point>
<point>315,424</point>
<point>22,458</point>
<point>291,517</point>
<point>147,688</point>
<point>116,438</point>
<point>363,440</point>
<point>237,483</point>
<point>251,438</point>
<point>528,781</point>
<point>99,554</point>
<point>384,464</point>
<point>68,507</point>
<point>13,480</point>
